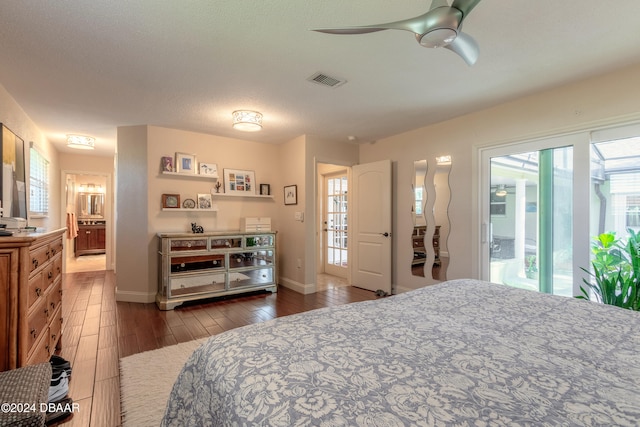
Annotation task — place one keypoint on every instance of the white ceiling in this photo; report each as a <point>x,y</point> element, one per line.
<point>89,66</point>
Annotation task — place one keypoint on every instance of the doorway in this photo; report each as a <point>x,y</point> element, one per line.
<point>86,207</point>
<point>332,243</point>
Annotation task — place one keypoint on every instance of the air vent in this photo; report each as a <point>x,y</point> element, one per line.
<point>323,79</point>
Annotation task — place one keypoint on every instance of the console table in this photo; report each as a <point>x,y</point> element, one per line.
<point>212,264</point>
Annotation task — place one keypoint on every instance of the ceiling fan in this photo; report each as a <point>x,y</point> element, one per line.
<point>441,26</point>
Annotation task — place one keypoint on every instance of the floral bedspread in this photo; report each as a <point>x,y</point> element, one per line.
<point>461,353</point>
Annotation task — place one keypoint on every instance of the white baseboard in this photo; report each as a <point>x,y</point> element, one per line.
<point>129,296</point>
<point>297,286</point>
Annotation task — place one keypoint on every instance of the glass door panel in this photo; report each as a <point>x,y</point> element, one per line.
<point>335,220</point>
<point>530,220</point>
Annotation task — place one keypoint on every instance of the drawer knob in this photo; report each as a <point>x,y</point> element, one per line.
<point>48,253</point>
<point>46,312</point>
<point>53,305</point>
<point>35,263</point>
<point>50,275</point>
<point>88,232</point>
<point>33,333</point>
<point>53,337</point>
<point>38,291</point>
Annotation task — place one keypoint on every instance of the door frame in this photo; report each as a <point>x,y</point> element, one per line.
<point>318,178</point>
<point>580,140</point>
<point>323,241</point>
<point>108,215</point>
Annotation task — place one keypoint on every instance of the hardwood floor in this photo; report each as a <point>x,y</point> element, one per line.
<point>98,331</point>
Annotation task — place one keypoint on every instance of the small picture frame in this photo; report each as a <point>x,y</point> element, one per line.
<point>209,169</point>
<point>166,164</point>
<point>186,163</point>
<point>239,182</point>
<point>291,195</point>
<point>265,189</point>
<point>204,201</point>
<point>171,201</point>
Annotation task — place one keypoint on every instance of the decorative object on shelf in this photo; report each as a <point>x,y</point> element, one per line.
<point>217,186</point>
<point>197,229</point>
<point>208,169</point>
<point>81,142</point>
<point>247,121</point>
<point>265,189</point>
<point>170,200</point>
<point>167,164</point>
<point>186,163</point>
<point>189,204</point>
<point>291,195</point>
<point>204,201</point>
<point>239,182</point>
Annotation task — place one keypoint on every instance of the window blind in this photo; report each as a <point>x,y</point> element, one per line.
<point>38,183</point>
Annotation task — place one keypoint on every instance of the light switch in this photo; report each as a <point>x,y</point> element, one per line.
<point>299,216</point>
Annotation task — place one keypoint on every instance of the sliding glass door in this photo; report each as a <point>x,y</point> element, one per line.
<point>531,221</point>
<point>543,203</point>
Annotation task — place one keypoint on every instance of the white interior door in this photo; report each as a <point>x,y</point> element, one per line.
<point>371,226</point>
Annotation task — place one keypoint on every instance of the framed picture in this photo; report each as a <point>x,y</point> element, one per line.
<point>186,163</point>
<point>208,169</point>
<point>239,182</point>
<point>170,200</point>
<point>189,204</point>
<point>265,189</point>
<point>291,195</point>
<point>167,164</point>
<point>204,201</point>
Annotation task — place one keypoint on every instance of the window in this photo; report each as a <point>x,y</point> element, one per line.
<point>38,183</point>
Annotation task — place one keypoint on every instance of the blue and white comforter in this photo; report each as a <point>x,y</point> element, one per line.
<point>461,353</point>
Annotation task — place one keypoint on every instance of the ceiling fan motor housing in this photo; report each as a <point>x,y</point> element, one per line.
<point>441,27</point>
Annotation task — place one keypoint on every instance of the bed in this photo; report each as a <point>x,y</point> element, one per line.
<point>460,353</point>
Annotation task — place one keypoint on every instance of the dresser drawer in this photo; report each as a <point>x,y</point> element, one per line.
<point>38,257</point>
<point>36,288</point>
<point>41,351</point>
<point>54,297</point>
<point>55,329</point>
<point>197,283</point>
<point>37,323</point>
<point>57,266</point>
<point>55,247</point>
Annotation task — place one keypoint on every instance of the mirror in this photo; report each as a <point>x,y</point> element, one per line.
<point>419,221</point>
<point>441,217</point>
<point>90,205</point>
<point>431,219</point>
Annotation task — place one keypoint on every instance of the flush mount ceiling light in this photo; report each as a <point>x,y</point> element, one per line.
<point>501,191</point>
<point>247,121</point>
<point>81,142</point>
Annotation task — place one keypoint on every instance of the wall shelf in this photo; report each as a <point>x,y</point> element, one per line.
<point>253,196</point>
<point>191,175</point>
<point>214,209</point>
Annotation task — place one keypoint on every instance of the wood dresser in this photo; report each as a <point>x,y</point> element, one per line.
<point>30,297</point>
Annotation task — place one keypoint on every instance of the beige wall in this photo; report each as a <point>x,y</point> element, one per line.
<point>605,100</point>
<point>141,185</point>
<point>13,117</point>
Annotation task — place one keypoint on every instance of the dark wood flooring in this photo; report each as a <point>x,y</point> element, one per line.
<point>98,331</point>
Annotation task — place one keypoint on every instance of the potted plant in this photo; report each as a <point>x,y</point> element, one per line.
<point>616,271</point>
<point>531,267</point>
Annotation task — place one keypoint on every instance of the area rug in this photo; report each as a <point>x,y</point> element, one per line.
<point>146,380</point>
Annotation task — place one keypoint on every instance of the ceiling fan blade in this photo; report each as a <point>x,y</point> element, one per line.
<point>466,47</point>
<point>350,30</point>
<point>416,25</point>
<point>465,6</point>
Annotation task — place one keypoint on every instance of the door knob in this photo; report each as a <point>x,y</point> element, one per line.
<point>385,234</point>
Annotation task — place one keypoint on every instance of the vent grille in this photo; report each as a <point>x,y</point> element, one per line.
<point>324,80</point>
